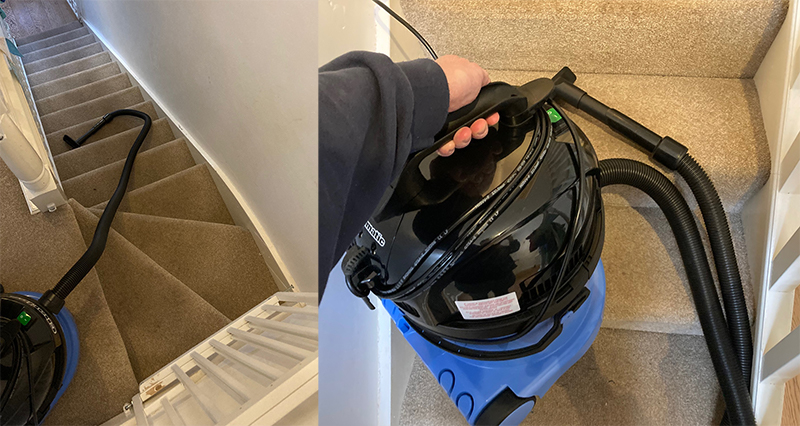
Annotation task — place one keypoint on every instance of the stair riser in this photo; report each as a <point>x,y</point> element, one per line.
<point>52,41</point>
<point>66,70</point>
<point>63,58</point>
<point>59,48</point>
<point>152,165</point>
<point>74,81</point>
<point>98,154</point>
<point>96,108</point>
<point>120,124</point>
<point>84,94</point>
<point>47,34</point>
<point>679,37</point>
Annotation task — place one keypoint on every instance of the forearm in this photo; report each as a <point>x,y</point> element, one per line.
<point>372,114</point>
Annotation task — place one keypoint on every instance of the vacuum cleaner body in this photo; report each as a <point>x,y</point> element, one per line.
<point>481,276</point>
<point>39,359</point>
<point>505,391</point>
<point>469,246</point>
<point>488,260</point>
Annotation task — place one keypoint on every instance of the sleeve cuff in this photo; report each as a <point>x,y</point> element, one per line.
<point>431,100</point>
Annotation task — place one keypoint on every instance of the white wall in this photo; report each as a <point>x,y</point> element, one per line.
<point>240,78</point>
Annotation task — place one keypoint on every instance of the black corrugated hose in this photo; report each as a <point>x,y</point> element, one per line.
<point>730,282</point>
<point>54,299</point>
<point>712,320</point>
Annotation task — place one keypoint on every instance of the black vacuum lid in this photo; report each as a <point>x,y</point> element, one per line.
<point>493,224</point>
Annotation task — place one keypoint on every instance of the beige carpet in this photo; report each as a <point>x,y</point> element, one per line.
<point>707,38</point>
<point>684,69</point>
<point>175,270</point>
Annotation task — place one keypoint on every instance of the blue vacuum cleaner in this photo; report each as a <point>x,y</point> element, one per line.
<point>39,343</point>
<point>488,260</point>
<point>504,392</point>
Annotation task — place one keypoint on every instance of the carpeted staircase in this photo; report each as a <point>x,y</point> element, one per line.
<point>175,270</point>
<point>683,68</point>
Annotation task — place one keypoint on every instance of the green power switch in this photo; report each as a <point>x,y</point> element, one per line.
<point>554,115</point>
<point>23,318</point>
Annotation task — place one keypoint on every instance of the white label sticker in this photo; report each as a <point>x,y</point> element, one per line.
<point>488,308</point>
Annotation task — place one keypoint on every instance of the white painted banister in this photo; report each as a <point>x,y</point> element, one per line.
<point>240,375</point>
<point>786,266</point>
<point>782,362</point>
<point>772,225</point>
<point>790,168</point>
<point>23,146</point>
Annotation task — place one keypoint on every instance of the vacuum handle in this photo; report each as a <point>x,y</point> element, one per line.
<point>494,97</point>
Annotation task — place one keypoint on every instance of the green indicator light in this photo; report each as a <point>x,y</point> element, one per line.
<point>23,318</point>
<point>554,115</point>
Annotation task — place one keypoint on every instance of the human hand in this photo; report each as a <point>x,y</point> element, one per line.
<point>464,80</point>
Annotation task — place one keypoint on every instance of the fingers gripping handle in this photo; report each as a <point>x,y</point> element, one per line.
<point>494,97</point>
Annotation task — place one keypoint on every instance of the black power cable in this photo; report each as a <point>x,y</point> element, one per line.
<point>409,27</point>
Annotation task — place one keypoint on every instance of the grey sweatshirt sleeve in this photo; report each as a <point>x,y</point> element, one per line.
<point>373,113</point>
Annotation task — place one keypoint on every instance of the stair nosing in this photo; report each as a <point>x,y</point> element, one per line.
<point>54,36</point>
<point>67,63</point>
<point>52,29</point>
<point>109,137</point>
<point>72,75</point>
<point>129,89</point>
<point>92,120</point>
<point>82,87</point>
<point>60,44</point>
<point>66,53</point>
<point>141,188</point>
<point>140,216</point>
<point>149,152</point>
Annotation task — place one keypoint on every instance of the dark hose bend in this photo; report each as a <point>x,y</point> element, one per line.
<point>730,282</point>
<point>70,280</point>
<point>712,320</point>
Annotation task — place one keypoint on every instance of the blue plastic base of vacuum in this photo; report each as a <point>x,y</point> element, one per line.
<point>506,391</point>
<point>73,346</point>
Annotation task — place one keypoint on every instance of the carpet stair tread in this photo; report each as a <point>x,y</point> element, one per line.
<point>60,48</point>
<point>99,153</point>
<point>646,284</point>
<point>79,113</point>
<point>189,194</point>
<point>98,185</point>
<point>719,120</point>
<point>83,64</point>
<point>54,40</point>
<point>49,33</point>
<point>158,316</point>
<point>625,378</point>
<point>74,81</point>
<point>63,58</point>
<point>119,124</point>
<point>205,256</point>
<point>667,37</point>
<point>86,93</point>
